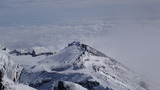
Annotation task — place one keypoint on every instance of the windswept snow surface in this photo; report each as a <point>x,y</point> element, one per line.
<point>21,87</point>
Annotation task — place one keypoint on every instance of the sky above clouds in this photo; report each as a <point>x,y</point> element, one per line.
<point>127,30</point>
<point>48,11</point>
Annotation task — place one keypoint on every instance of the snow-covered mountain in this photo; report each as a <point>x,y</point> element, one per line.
<point>76,67</point>
<point>79,64</point>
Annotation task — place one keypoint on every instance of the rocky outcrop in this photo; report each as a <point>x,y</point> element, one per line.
<point>86,48</point>
<point>89,84</point>
<point>64,85</point>
<point>1,84</point>
<point>32,53</point>
<point>8,70</point>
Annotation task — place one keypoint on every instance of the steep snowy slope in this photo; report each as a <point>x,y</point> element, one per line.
<point>81,64</point>
<point>9,74</point>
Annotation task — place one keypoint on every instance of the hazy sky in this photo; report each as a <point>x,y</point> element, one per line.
<point>47,11</point>
<point>127,30</point>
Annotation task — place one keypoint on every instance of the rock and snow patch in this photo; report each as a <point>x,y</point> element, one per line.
<point>9,69</point>
<point>9,75</point>
<point>60,61</point>
<point>65,85</point>
<point>34,51</point>
<point>4,48</point>
<point>39,50</point>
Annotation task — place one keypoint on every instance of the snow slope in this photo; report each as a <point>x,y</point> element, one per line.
<point>9,74</point>
<point>82,64</point>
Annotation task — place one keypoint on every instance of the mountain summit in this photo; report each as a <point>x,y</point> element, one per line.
<point>86,48</point>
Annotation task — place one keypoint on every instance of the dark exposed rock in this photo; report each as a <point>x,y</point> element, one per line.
<point>1,84</point>
<point>32,53</point>
<point>4,49</point>
<point>1,76</point>
<point>46,53</point>
<point>18,53</point>
<point>61,86</point>
<point>89,84</point>
<point>40,84</point>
